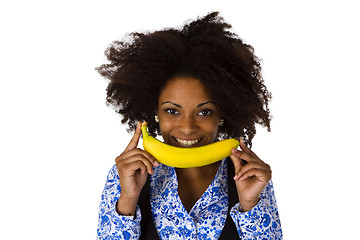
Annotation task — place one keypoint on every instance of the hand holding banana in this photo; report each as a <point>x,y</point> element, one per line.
<point>251,178</point>
<point>133,167</point>
<point>187,157</point>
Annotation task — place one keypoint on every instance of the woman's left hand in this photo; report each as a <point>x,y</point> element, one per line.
<point>251,179</point>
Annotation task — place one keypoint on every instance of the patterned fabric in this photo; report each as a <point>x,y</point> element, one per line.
<point>205,220</point>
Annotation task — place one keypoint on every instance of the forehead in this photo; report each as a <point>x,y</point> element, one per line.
<point>184,88</point>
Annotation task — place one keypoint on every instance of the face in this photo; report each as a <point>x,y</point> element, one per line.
<point>187,115</point>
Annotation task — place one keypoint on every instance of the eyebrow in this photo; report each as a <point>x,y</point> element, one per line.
<point>179,106</point>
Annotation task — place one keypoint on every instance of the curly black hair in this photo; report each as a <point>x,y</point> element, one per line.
<point>204,49</point>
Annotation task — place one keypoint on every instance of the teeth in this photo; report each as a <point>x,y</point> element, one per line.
<point>187,143</point>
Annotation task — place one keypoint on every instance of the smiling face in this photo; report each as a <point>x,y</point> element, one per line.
<point>187,115</point>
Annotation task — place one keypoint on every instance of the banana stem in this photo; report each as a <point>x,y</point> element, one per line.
<point>144,129</point>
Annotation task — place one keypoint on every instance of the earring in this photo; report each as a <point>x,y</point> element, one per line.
<point>156,118</point>
<point>221,122</point>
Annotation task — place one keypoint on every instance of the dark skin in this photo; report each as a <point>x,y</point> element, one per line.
<point>188,118</point>
<point>193,182</point>
<point>186,112</point>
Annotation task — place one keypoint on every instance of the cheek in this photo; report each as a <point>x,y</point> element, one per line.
<point>215,132</point>
<point>212,129</point>
<point>165,127</point>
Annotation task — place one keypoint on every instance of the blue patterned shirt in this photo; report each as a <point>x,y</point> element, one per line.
<point>205,220</point>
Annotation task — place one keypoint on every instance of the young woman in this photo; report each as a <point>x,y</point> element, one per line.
<point>193,86</point>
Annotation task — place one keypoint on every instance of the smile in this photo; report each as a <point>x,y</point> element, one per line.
<point>187,143</point>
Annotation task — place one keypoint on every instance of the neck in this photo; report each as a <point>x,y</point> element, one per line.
<point>198,173</point>
<point>193,182</point>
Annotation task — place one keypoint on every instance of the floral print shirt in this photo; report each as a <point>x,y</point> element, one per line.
<point>205,220</point>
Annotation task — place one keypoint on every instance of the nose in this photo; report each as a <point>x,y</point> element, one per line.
<point>187,125</point>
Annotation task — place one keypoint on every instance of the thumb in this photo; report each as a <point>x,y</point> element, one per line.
<point>135,139</point>
<point>236,160</point>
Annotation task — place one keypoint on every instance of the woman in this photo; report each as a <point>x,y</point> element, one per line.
<point>193,86</point>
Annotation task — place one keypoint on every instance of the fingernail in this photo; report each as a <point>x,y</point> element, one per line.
<point>156,163</point>
<point>235,150</point>
<point>241,178</point>
<point>236,177</point>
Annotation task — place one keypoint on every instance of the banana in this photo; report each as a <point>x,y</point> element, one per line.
<point>186,157</point>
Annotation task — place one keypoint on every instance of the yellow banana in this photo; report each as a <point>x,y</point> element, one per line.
<point>186,157</point>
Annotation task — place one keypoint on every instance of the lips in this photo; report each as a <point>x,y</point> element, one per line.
<point>187,143</point>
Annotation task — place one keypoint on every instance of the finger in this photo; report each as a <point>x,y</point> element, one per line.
<point>249,166</point>
<point>245,156</point>
<point>244,148</point>
<point>243,145</point>
<point>138,151</point>
<point>238,163</point>
<point>135,139</point>
<point>248,156</point>
<point>235,158</point>
<point>140,158</point>
<point>130,168</point>
<point>260,174</point>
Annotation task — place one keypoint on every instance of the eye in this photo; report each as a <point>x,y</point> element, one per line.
<point>171,111</point>
<point>205,112</point>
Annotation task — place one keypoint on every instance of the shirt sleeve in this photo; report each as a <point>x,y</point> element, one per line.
<point>111,225</point>
<point>262,221</point>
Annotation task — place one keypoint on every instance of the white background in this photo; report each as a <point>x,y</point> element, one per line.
<point>58,138</point>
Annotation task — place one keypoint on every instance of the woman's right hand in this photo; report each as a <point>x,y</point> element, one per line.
<point>133,165</point>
